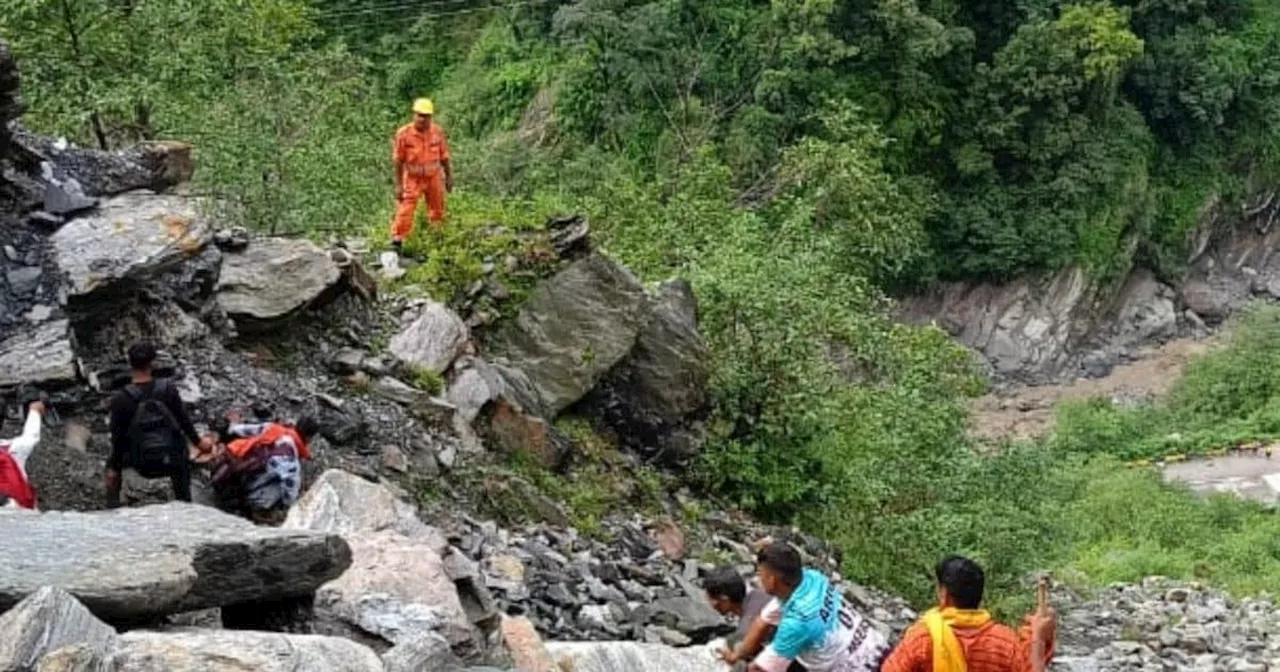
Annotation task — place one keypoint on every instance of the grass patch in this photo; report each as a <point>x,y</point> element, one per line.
<point>1225,399</point>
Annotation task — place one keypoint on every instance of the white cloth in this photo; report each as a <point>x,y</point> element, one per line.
<point>22,446</point>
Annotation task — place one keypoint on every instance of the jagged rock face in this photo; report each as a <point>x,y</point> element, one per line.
<point>46,621</point>
<point>573,329</point>
<point>656,398</point>
<point>141,563</point>
<point>273,279</point>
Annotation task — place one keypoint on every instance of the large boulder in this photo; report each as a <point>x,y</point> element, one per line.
<point>573,329</point>
<point>431,342</point>
<point>41,356</point>
<point>131,564</point>
<point>634,657</point>
<point>129,239</point>
<point>656,399</point>
<point>273,278</point>
<point>237,650</point>
<point>45,621</point>
<point>153,165</point>
<point>398,587</point>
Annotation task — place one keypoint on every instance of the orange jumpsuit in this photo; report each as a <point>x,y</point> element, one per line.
<point>422,154</point>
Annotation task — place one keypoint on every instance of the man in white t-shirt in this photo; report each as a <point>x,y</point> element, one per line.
<point>815,626</point>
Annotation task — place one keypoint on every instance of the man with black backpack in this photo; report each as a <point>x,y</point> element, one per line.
<point>150,430</point>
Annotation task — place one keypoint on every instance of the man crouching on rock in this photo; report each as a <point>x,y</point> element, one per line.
<point>258,473</point>
<point>15,488</point>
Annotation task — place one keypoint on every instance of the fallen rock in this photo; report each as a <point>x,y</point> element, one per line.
<point>238,650</point>
<point>525,646</point>
<point>152,561</point>
<point>634,657</point>
<point>273,278</point>
<point>689,615</point>
<point>39,356</point>
<point>475,383</point>
<point>656,399</point>
<point>1145,311</point>
<point>1209,300</point>
<point>432,341</point>
<point>510,431</point>
<point>46,621</point>
<point>573,329</point>
<point>341,503</point>
<point>427,653</point>
<point>397,587</point>
<point>128,240</point>
<point>155,165</point>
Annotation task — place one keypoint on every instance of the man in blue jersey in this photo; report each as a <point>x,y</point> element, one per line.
<point>815,625</point>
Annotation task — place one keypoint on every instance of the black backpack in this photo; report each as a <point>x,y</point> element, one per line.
<point>156,443</point>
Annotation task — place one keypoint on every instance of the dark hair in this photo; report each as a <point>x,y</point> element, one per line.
<point>784,561</point>
<point>727,583</point>
<point>963,579</point>
<point>141,355</point>
<point>307,426</point>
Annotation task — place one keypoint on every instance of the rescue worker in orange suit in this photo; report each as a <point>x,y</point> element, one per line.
<point>422,168</point>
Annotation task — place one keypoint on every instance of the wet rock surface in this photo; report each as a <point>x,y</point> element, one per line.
<point>158,560</point>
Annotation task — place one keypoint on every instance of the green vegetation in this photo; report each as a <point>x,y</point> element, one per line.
<point>796,160</point>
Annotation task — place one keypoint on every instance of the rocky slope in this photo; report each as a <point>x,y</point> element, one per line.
<point>1049,327</point>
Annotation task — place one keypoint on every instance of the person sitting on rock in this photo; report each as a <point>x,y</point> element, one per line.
<point>727,592</point>
<point>259,474</point>
<point>957,636</point>
<point>814,624</point>
<point>15,488</point>
<point>150,430</point>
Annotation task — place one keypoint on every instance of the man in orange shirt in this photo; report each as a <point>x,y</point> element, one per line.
<point>421,155</point>
<point>959,637</point>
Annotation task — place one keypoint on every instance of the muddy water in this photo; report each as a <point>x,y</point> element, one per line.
<point>1249,475</point>
<point>1027,412</point>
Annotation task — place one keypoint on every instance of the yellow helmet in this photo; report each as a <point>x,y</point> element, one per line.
<point>424,106</point>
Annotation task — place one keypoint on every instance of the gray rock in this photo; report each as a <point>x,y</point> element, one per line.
<point>24,281</point>
<point>475,384</point>
<point>1026,328</point>
<point>1097,364</point>
<point>273,278</point>
<point>397,587</point>
<point>573,329</point>
<point>656,398</point>
<point>39,356</point>
<point>46,621</point>
<point>347,361</point>
<point>634,657</point>
<point>237,650</point>
<point>435,338</point>
<point>428,652</point>
<point>400,392</point>
<point>60,199</point>
<point>154,165</point>
<point>690,615</point>
<point>130,239</point>
<point>1145,310</point>
<point>341,503</point>
<point>158,560</point>
<point>1207,299</point>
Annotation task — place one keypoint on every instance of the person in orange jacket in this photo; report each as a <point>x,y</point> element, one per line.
<point>422,168</point>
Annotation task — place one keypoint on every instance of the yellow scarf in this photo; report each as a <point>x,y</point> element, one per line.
<point>947,654</point>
